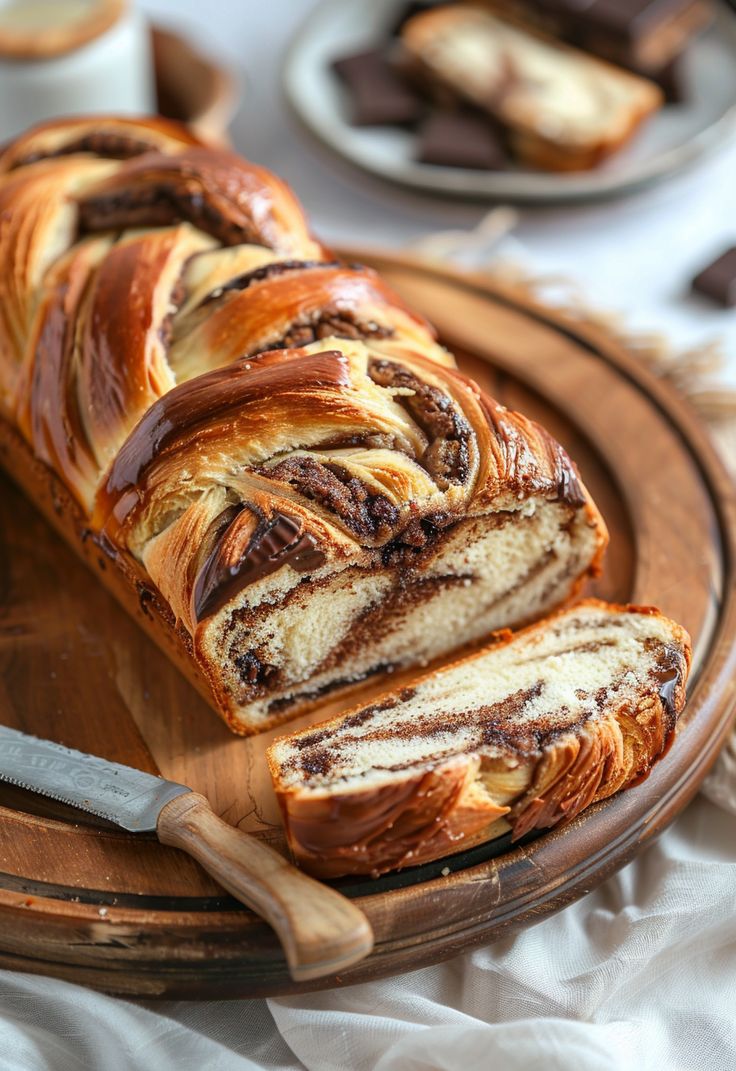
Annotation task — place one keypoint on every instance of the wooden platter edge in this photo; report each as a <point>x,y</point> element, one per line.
<point>473,898</point>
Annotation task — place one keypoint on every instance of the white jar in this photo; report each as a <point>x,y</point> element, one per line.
<point>72,57</point>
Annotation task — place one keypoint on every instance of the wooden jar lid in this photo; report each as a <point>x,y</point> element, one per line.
<point>42,29</point>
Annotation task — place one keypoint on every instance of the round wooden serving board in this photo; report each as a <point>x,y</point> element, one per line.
<point>83,901</point>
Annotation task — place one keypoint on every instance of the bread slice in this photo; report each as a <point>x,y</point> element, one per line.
<point>529,731</point>
<point>563,110</point>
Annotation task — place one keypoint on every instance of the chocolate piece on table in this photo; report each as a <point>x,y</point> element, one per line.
<point>460,139</point>
<point>378,93</point>
<point>718,280</point>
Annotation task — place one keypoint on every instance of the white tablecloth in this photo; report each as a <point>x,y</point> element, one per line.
<point>642,972</point>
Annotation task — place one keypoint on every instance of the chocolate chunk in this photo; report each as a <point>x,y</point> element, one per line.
<point>378,93</point>
<point>277,541</point>
<point>670,77</point>
<point>631,32</point>
<point>252,670</point>
<point>718,280</point>
<point>460,139</point>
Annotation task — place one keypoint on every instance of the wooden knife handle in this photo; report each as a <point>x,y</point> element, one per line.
<point>320,930</point>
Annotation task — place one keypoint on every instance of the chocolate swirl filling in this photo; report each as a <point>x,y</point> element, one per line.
<point>213,190</point>
<point>161,206</point>
<point>102,143</point>
<point>670,677</point>
<point>330,315</point>
<point>278,540</point>
<point>331,323</point>
<point>264,272</point>
<point>447,457</point>
<point>490,726</point>
<point>366,514</point>
<point>369,515</point>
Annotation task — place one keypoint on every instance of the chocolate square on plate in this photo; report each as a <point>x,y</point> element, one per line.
<point>460,139</point>
<point>378,94</point>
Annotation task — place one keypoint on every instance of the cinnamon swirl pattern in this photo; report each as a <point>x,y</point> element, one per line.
<point>269,436</point>
<point>522,735</point>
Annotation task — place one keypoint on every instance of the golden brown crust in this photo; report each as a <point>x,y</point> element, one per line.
<point>97,364</point>
<point>442,809</point>
<point>290,303</point>
<point>216,190</point>
<point>424,817</point>
<point>37,226</point>
<point>123,577</point>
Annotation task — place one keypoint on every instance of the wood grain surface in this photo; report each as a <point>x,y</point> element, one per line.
<point>83,901</point>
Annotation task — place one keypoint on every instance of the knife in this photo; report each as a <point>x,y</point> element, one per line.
<point>320,930</point>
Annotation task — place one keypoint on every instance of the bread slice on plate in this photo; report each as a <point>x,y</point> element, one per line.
<point>524,734</point>
<point>563,110</point>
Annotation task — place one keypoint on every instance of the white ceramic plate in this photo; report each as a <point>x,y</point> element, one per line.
<point>672,139</point>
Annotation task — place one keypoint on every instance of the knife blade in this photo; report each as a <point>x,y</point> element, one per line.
<point>321,931</point>
<point>130,798</point>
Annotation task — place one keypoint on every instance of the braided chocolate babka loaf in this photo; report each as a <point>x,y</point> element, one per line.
<point>265,443</point>
<point>523,735</point>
